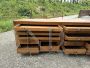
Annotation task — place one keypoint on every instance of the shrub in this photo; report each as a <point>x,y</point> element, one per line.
<point>25,12</point>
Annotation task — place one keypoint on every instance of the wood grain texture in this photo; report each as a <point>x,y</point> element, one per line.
<point>33,50</point>
<point>69,38</point>
<point>73,43</point>
<point>49,48</point>
<point>40,38</point>
<point>74,51</point>
<point>76,29</point>
<point>38,28</point>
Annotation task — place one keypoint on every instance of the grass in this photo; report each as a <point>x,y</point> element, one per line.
<point>36,9</point>
<point>5,25</point>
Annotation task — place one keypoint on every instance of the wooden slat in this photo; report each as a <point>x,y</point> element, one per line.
<point>44,48</point>
<point>49,48</point>
<point>74,51</point>
<point>33,50</point>
<point>25,41</point>
<point>58,21</point>
<point>55,48</point>
<point>77,38</point>
<point>79,23</point>
<point>73,43</point>
<point>40,38</point>
<point>38,33</point>
<point>77,29</point>
<point>38,28</point>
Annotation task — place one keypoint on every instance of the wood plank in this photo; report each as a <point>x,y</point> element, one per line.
<point>77,29</point>
<point>73,43</point>
<point>69,38</point>
<point>44,49</point>
<point>76,23</point>
<point>49,48</point>
<point>33,50</point>
<point>74,51</point>
<point>40,38</point>
<point>58,21</point>
<point>55,48</point>
<point>25,41</point>
<point>38,33</point>
<point>37,28</point>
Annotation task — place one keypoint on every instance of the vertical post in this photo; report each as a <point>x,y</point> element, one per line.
<point>50,41</point>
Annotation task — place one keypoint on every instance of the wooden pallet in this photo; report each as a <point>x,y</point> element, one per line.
<point>76,32</point>
<point>75,38</point>
<point>25,31</point>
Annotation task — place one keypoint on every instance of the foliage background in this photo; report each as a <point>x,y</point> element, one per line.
<point>13,9</point>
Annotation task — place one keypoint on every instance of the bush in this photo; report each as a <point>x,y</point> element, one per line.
<point>25,12</point>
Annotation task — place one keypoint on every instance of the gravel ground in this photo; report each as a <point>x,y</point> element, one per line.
<point>10,59</point>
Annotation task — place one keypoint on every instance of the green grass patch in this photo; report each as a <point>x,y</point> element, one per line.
<point>5,25</point>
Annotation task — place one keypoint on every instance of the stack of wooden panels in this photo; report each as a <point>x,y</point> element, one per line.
<point>35,37</point>
<point>76,35</point>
